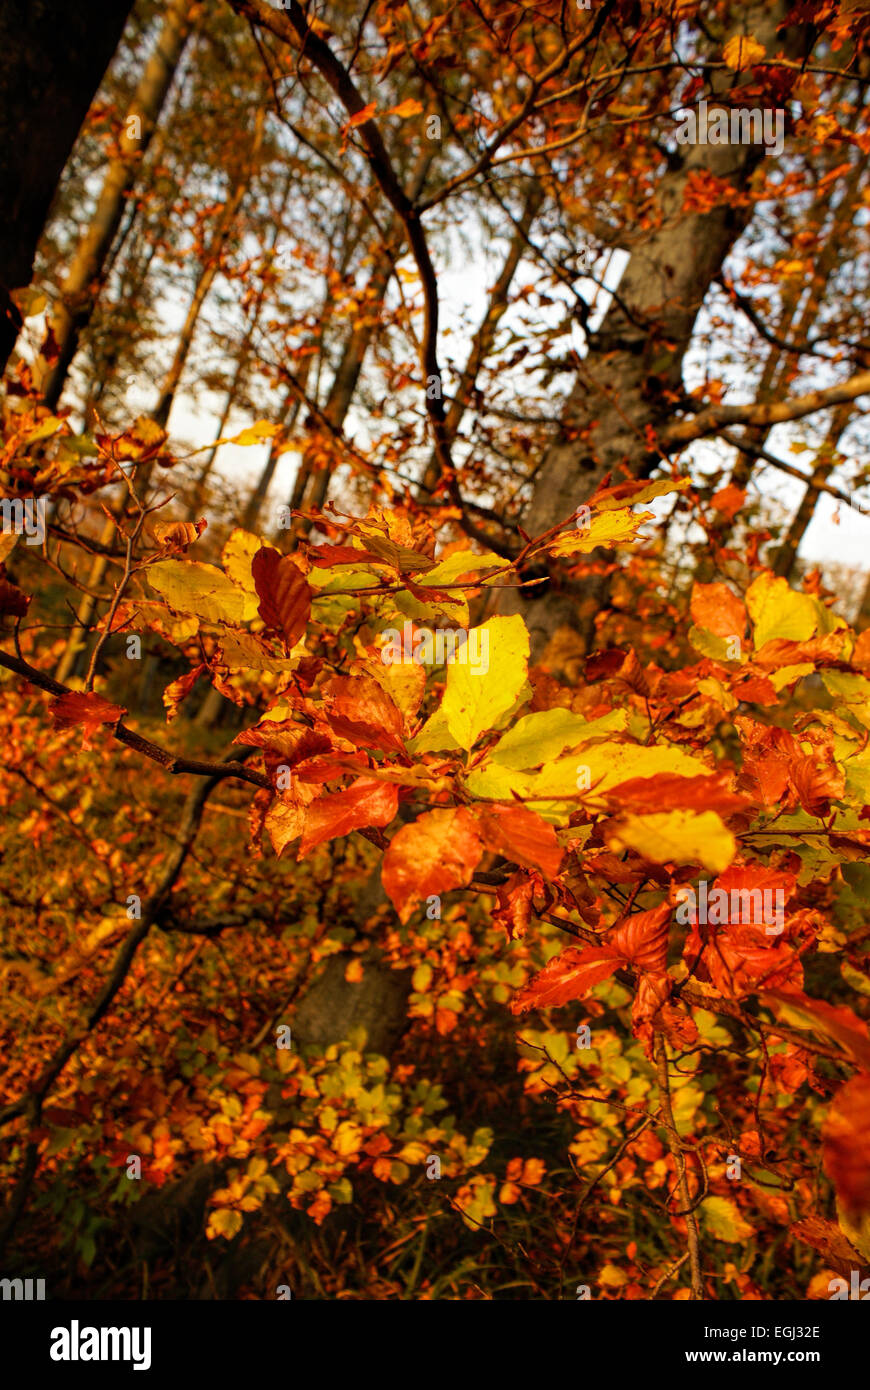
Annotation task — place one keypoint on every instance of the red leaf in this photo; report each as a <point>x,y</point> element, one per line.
<point>12,599</point>
<point>365,802</point>
<point>571,975</point>
<point>521,836</point>
<point>671,792</point>
<point>284,594</point>
<point>90,711</point>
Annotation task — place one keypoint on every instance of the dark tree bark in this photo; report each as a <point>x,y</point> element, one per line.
<point>52,59</point>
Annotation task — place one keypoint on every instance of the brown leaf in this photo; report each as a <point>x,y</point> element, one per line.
<point>513,909</point>
<point>12,599</point>
<point>284,594</point>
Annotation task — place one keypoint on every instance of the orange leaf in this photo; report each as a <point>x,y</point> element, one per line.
<point>364,115</point>
<point>438,851</point>
<point>716,609</point>
<point>365,802</point>
<point>642,939</point>
<point>521,836</point>
<point>90,711</point>
<point>360,710</point>
<point>571,975</point>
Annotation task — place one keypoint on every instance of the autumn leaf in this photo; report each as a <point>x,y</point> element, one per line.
<point>742,52</point>
<point>177,535</point>
<point>188,586</point>
<point>477,697</point>
<point>87,711</point>
<point>366,802</point>
<point>363,115</point>
<point>722,1219</point>
<point>438,851</point>
<point>671,792</point>
<point>641,939</point>
<point>717,609</point>
<point>611,529</point>
<point>284,594</point>
<point>778,611</point>
<point>409,107</point>
<point>361,711</point>
<point>13,600</point>
<point>513,907</point>
<point>676,837</point>
<point>569,976</point>
<point>846,1156</point>
<point>521,836</point>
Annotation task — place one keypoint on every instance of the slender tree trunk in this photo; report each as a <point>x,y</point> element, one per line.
<point>242,361</point>
<point>52,60</point>
<point>793,326</point>
<point>347,374</point>
<point>826,462</point>
<point>484,338</point>
<point>210,266</point>
<point>82,285</point>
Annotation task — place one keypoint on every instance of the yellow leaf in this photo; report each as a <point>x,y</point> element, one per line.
<point>612,1277</point>
<point>677,837</point>
<point>723,1221</point>
<point>741,52</point>
<point>777,610</point>
<point>254,434</point>
<point>478,694</point>
<point>226,1223</point>
<point>188,586</point>
<point>610,528</point>
<point>238,552</point>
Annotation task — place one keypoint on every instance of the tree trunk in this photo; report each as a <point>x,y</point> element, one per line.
<point>82,285</point>
<point>635,358</point>
<point>52,60</point>
<point>826,462</point>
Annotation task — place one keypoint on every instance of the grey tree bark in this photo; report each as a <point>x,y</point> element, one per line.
<point>635,358</point>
